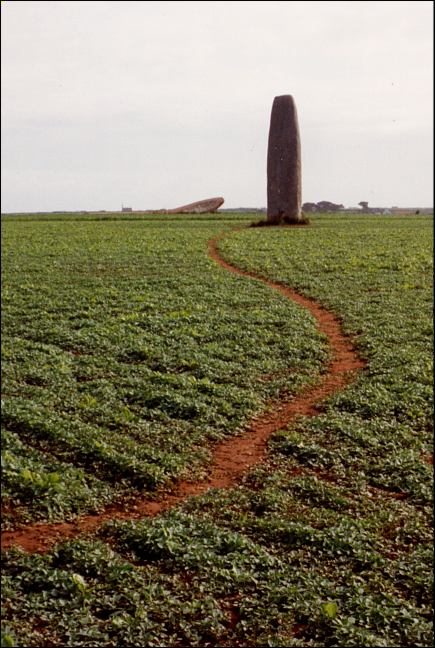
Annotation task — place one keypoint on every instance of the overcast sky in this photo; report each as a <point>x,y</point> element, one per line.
<point>157,104</point>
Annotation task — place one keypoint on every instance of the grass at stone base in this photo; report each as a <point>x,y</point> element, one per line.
<point>327,544</point>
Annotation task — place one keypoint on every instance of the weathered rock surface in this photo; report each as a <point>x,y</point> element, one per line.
<point>199,207</point>
<point>284,187</point>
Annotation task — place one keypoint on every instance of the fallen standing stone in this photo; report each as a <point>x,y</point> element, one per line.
<point>201,207</point>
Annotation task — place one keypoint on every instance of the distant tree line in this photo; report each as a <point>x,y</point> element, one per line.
<point>322,206</point>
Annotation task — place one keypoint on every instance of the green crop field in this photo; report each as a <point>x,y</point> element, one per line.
<point>128,353</point>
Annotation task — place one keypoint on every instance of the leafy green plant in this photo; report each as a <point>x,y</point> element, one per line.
<point>329,541</point>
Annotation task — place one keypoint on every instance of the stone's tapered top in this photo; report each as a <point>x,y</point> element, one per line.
<point>288,99</point>
<point>284,187</point>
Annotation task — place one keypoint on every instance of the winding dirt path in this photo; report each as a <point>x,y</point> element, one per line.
<point>232,457</point>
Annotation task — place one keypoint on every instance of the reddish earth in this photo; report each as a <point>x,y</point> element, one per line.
<point>232,457</point>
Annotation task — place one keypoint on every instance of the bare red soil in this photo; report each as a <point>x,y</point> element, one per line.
<point>232,457</point>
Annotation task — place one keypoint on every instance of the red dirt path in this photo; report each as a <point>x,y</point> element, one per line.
<point>232,457</point>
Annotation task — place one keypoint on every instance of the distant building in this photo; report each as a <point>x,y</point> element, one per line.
<point>365,209</point>
<point>126,209</point>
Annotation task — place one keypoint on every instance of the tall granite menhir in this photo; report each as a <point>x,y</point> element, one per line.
<point>284,190</point>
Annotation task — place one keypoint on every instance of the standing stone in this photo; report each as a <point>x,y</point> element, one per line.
<point>284,191</point>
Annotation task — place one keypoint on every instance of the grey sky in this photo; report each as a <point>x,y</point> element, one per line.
<point>156,104</point>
